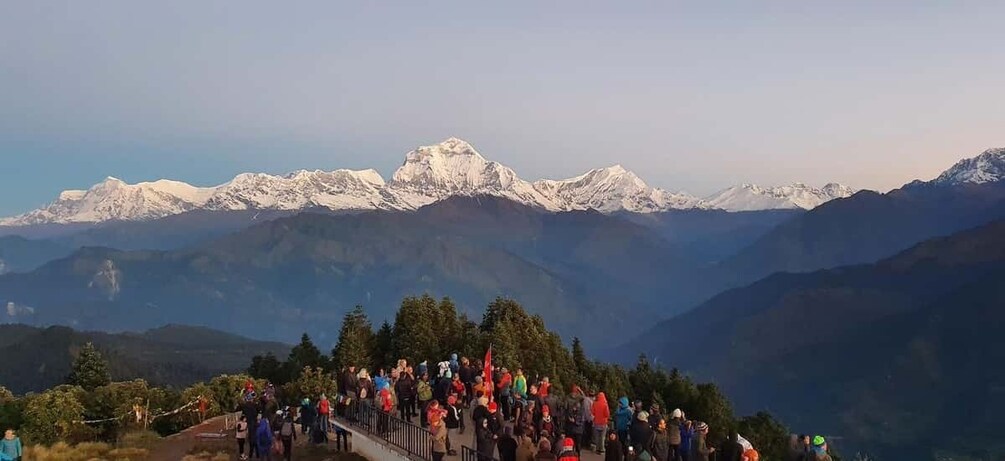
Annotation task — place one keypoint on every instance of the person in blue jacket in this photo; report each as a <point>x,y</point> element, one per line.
<point>264,438</point>
<point>622,421</point>
<point>10,446</point>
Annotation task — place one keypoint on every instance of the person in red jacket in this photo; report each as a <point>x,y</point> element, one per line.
<point>601,415</point>
<point>504,391</point>
<point>324,410</point>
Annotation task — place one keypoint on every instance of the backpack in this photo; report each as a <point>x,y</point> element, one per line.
<point>425,392</point>
<point>287,430</point>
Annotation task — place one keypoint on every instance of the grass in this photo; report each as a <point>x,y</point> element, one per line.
<point>88,451</point>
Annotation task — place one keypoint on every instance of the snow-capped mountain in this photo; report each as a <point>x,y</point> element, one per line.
<point>749,197</point>
<point>428,174</point>
<point>453,167</point>
<point>987,167</point>
<point>613,189</point>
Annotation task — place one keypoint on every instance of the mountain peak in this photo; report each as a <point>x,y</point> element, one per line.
<point>988,166</point>
<point>750,197</point>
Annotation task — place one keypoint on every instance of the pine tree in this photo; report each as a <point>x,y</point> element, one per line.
<point>90,370</point>
<point>267,367</point>
<point>383,349</point>
<point>415,336</point>
<point>355,344</point>
<point>306,354</point>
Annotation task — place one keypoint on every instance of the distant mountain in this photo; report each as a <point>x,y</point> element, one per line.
<point>428,174</point>
<point>868,226</point>
<point>18,254</point>
<point>987,167</point>
<point>885,354</point>
<point>300,273</point>
<point>39,358</point>
<point>750,197</point>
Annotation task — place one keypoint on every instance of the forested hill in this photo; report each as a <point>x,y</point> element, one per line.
<point>173,355</point>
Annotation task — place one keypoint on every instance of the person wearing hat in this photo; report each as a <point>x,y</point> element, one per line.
<point>700,449</point>
<point>546,427</point>
<point>544,451</point>
<point>820,449</point>
<point>686,436</point>
<point>640,432</point>
<point>568,451</point>
<point>623,421</point>
<point>674,428</point>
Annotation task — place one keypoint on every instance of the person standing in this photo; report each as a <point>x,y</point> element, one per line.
<point>525,446</point>
<point>405,388</point>
<point>455,424</point>
<point>819,452</point>
<point>660,446</point>
<point>686,436</point>
<point>438,436</point>
<point>613,451</point>
<point>674,429</point>
<point>324,412</point>
<point>486,445</point>
<point>242,436</point>
<point>264,439</point>
<point>287,434</point>
<point>507,445</point>
<point>622,421</point>
<point>11,445</point>
<point>601,415</point>
<point>424,393</point>
<point>701,450</point>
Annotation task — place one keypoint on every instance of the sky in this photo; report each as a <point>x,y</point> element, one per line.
<point>693,96</point>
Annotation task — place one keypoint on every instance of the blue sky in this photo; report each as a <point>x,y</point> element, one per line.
<point>693,96</point>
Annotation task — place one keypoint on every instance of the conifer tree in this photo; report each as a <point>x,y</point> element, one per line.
<point>355,341</point>
<point>416,336</point>
<point>383,350</point>
<point>90,370</point>
<point>306,354</point>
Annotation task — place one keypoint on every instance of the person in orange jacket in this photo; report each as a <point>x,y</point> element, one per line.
<point>601,416</point>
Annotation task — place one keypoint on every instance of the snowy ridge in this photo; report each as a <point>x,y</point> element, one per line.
<point>750,197</point>
<point>987,167</point>
<point>428,174</point>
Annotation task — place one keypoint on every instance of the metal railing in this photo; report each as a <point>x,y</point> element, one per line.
<point>404,435</point>
<point>470,454</point>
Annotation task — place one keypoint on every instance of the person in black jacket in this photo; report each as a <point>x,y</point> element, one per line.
<point>404,388</point>
<point>507,445</point>
<point>640,432</point>
<point>731,449</point>
<point>613,450</point>
<point>486,445</point>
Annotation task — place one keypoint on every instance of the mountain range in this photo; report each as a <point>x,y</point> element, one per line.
<point>428,174</point>
<point>882,355</point>
<point>36,359</point>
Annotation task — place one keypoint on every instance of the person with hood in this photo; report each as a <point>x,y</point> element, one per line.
<point>568,451</point>
<point>544,451</point>
<point>10,445</point>
<point>700,449</point>
<point>439,437</point>
<point>660,445</point>
<point>673,429</point>
<point>819,451</point>
<point>486,440</point>
<point>264,439</point>
<point>601,415</point>
<point>424,393</point>
<point>686,435</point>
<point>613,450</point>
<point>525,450</point>
<point>622,421</point>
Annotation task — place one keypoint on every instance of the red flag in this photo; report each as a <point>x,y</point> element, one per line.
<point>487,373</point>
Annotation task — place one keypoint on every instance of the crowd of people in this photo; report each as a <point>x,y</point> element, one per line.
<point>512,418</point>
<point>518,419</point>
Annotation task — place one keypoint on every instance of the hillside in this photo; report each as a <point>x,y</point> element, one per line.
<point>904,344</point>
<point>173,355</point>
<point>308,270</point>
<point>865,228</point>
<point>18,254</point>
